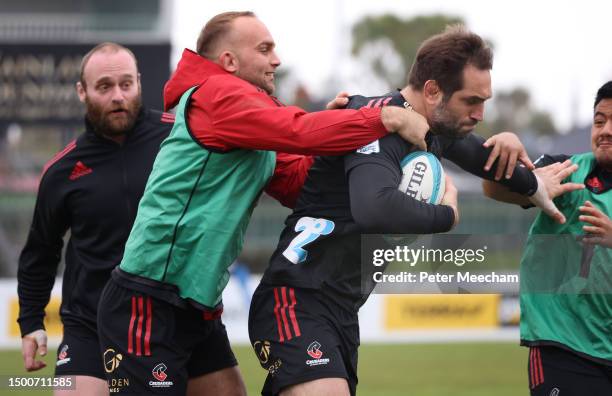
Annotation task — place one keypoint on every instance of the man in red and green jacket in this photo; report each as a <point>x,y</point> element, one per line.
<point>160,311</point>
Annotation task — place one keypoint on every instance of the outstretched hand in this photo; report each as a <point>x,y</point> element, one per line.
<point>550,186</point>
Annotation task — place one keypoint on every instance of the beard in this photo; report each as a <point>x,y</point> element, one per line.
<point>444,123</point>
<point>104,124</point>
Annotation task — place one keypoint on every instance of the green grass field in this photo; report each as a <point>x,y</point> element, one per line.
<point>465,369</point>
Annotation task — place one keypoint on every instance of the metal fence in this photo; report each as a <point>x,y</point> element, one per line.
<point>479,215</point>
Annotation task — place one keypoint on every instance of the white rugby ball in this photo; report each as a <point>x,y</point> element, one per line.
<point>422,177</point>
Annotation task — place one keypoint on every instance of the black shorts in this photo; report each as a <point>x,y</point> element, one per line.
<point>300,336</point>
<point>79,353</point>
<point>152,347</point>
<point>555,371</point>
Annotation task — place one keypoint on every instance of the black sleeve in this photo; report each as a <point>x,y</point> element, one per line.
<point>547,159</point>
<point>376,203</point>
<point>40,257</point>
<point>357,102</point>
<point>470,154</point>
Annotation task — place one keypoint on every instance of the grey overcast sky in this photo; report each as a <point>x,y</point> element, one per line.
<point>559,50</point>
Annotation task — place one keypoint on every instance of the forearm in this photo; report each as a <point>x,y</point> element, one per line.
<point>322,133</point>
<point>35,278</point>
<point>502,193</point>
<point>471,156</point>
<point>248,122</point>
<point>378,206</point>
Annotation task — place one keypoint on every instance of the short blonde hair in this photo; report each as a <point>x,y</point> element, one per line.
<point>215,29</point>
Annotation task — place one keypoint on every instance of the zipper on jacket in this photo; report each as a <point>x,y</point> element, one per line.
<point>125,183</point>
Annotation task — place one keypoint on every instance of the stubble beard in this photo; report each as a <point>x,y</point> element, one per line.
<point>444,124</point>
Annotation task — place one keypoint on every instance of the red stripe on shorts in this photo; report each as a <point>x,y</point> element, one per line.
<point>540,368</point>
<point>139,327</point>
<point>131,329</point>
<point>281,338</point>
<point>536,370</point>
<point>283,315</point>
<point>296,327</point>
<point>147,340</point>
<point>531,369</point>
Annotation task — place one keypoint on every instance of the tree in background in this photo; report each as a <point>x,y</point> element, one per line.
<point>388,45</point>
<point>513,111</point>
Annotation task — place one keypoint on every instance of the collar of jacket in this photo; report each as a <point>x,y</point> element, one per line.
<point>192,70</point>
<point>603,177</point>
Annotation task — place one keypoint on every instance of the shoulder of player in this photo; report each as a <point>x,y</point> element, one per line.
<point>63,161</point>
<point>393,142</point>
<point>587,157</point>
<point>394,139</point>
<point>389,149</point>
<point>358,101</point>
<point>161,119</point>
<point>152,125</point>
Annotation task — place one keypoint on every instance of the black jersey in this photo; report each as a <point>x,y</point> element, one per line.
<point>92,187</point>
<point>357,193</point>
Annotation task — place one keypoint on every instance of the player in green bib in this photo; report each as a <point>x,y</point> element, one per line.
<point>566,272</point>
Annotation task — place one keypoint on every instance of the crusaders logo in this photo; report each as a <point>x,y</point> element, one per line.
<point>62,356</point>
<point>314,351</point>
<point>159,372</point>
<point>63,352</point>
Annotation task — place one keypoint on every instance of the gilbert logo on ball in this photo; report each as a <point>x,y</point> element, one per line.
<point>422,177</point>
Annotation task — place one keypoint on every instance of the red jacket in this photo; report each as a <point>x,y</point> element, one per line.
<point>227,112</point>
